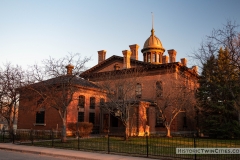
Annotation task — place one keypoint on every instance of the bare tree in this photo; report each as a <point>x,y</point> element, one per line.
<point>227,37</point>
<point>122,96</point>
<point>175,94</point>
<point>11,79</point>
<point>55,87</point>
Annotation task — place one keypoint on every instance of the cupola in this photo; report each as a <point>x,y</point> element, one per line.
<point>153,49</point>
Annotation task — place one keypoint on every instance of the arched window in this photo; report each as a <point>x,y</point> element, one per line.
<point>81,101</point>
<point>120,92</point>
<point>92,102</point>
<point>149,57</point>
<point>138,90</point>
<point>159,89</point>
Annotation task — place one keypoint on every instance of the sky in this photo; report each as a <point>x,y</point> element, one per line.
<point>33,30</point>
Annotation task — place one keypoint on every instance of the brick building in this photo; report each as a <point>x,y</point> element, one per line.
<point>158,80</point>
<point>145,86</point>
<point>38,113</point>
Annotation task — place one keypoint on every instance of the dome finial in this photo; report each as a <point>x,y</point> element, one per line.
<point>152,31</point>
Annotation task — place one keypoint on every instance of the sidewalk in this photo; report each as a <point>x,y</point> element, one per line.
<point>67,153</point>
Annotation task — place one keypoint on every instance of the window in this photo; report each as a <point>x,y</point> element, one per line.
<point>92,118</point>
<point>138,90</point>
<point>120,92</point>
<point>159,120</point>
<point>184,122</point>
<point>157,58</point>
<point>80,116</point>
<point>102,101</point>
<point>159,89</point>
<point>153,57</point>
<point>92,102</point>
<point>116,67</point>
<point>114,121</point>
<point>149,57</point>
<point>40,117</point>
<point>81,101</point>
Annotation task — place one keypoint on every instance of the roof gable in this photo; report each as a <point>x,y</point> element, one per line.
<point>108,64</point>
<point>67,80</point>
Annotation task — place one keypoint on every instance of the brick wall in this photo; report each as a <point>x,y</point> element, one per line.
<point>28,109</point>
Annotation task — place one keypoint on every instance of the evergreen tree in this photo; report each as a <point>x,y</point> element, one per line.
<point>217,96</point>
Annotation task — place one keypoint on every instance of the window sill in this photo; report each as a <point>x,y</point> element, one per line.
<point>39,124</point>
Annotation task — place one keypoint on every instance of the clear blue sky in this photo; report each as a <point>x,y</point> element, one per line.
<point>33,30</point>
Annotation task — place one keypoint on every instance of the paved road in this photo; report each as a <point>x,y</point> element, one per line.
<point>13,155</point>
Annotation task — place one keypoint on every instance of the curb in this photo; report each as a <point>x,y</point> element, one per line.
<point>49,154</point>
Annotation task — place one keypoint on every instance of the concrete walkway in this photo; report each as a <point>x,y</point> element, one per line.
<point>67,153</point>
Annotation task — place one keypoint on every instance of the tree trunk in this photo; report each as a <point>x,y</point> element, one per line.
<point>168,131</point>
<point>126,132</point>
<point>64,135</point>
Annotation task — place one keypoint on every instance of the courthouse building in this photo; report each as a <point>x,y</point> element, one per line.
<point>153,79</point>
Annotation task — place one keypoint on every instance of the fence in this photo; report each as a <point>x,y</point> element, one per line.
<point>6,136</point>
<point>154,146</point>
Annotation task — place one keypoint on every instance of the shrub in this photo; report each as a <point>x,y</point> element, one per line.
<point>84,128</point>
<point>72,127</point>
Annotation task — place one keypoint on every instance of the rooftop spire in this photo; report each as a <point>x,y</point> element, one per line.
<point>152,31</point>
<point>152,20</point>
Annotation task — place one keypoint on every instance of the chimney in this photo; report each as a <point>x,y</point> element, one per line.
<point>195,69</point>
<point>184,61</point>
<point>126,59</point>
<point>69,69</point>
<point>134,50</point>
<point>172,55</point>
<point>101,56</point>
<point>165,59</point>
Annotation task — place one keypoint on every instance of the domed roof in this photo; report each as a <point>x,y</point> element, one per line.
<point>153,42</point>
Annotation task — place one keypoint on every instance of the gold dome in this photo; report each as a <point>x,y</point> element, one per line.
<point>152,42</point>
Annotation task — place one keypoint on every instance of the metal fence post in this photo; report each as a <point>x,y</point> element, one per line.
<point>108,143</point>
<point>52,137</point>
<point>146,142</point>
<point>78,139</point>
<point>3,134</point>
<point>31,136</point>
<point>194,144</point>
<point>13,137</point>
